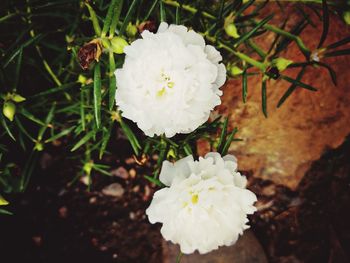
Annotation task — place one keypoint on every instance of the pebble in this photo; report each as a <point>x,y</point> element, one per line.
<point>132,215</point>
<point>63,212</point>
<point>85,180</point>
<point>93,200</point>
<point>132,173</point>
<point>120,172</point>
<point>130,161</point>
<point>115,190</point>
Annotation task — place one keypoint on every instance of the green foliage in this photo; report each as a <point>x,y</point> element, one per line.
<point>53,98</point>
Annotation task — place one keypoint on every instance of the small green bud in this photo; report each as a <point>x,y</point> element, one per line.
<point>17,98</point>
<point>231,30</point>
<point>82,79</point>
<point>88,167</point>
<point>235,71</point>
<point>118,45</point>
<point>131,30</point>
<point>3,201</point>
<point>171,154</point>
<point>9,110</point>
<point>346,17</point>
<point>39,146</point>
<point>281,63</point>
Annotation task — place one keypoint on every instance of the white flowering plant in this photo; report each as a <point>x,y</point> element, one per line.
<point>154,71</point>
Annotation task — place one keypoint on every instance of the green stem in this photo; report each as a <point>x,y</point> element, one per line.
<point>46,65</point>
<point>295,38</point>
<point>179,256</point>
<point>188,8</point>
<point>272,28</point>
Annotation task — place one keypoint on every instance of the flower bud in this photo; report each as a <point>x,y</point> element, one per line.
<point>235,71</point>
<point>231,30</point>
<point>118,45</point>
<point>3,201</point>
<point>89,52</point>
<point>39,146</point>
<point>131,30</point>
<point>88,167</point>
<point>17,98</point>
<point>346,17</point>
<point>9,110</point>
<point>281,63</point>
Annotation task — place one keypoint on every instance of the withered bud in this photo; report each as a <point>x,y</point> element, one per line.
<point>89,52</point>
<point>147,25</point>
<point>142,160</point>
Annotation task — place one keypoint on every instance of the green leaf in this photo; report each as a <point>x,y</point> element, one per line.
<point>177,16</point>
<point>223,135</point>
<point>7,129</point>
<point>106,134</point>
<point>4,18</point>
<point>131,137</point>
<point>128,16</point>
<point>28,170</point>
<point>82,110</point>
<point>154,180</point>
<point>48,119</point>
<point>162,12</point>
<point>60,134</point>
<point>339,43</point>
<point>330,71</point>
<point>187,149</point>
<point>98,168</point>
<point>325,19</point>
<point>337,53</point>
<point>15,53</point>
<point>83,140</point>
<point>94,20</point>
<point>5,212</point>
<point>254,30</point>
<point>298,83</point>
<point>18,68</point>
<point>112,81</point>
<point>117,11</point>
<point>30,116</point>
<point>97,95</point>
<point>244,7</point>
<point>22,129</point>
<point>108,19</point>
<point>228,142</point>
<point>263,98</point>
<point>154,4</point>
<point>55,90</point>
<point>291,88</point>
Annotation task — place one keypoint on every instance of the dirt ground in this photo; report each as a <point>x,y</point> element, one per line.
<point>56,222</point>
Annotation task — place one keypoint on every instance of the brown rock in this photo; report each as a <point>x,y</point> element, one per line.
<point>120,172</point>
<point>246,250</point>
<point>115,190</point>
<point>282,147</point>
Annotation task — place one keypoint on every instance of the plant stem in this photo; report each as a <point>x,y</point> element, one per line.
<point>46,65</point>
<point>188,8</point>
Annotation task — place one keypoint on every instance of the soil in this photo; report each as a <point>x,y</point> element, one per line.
<point>55,221</point>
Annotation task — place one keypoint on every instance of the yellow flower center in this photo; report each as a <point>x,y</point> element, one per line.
<point>194,199</point>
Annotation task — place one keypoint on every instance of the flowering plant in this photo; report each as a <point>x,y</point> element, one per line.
<point>205,203</point>
<point>102,78</point>
<point>170,81</point>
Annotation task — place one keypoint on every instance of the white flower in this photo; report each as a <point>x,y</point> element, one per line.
<point>170,81</point>
<point>205,205</point>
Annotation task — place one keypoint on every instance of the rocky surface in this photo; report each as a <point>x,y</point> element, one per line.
<point>283,146</point>
<point>246,250</point>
